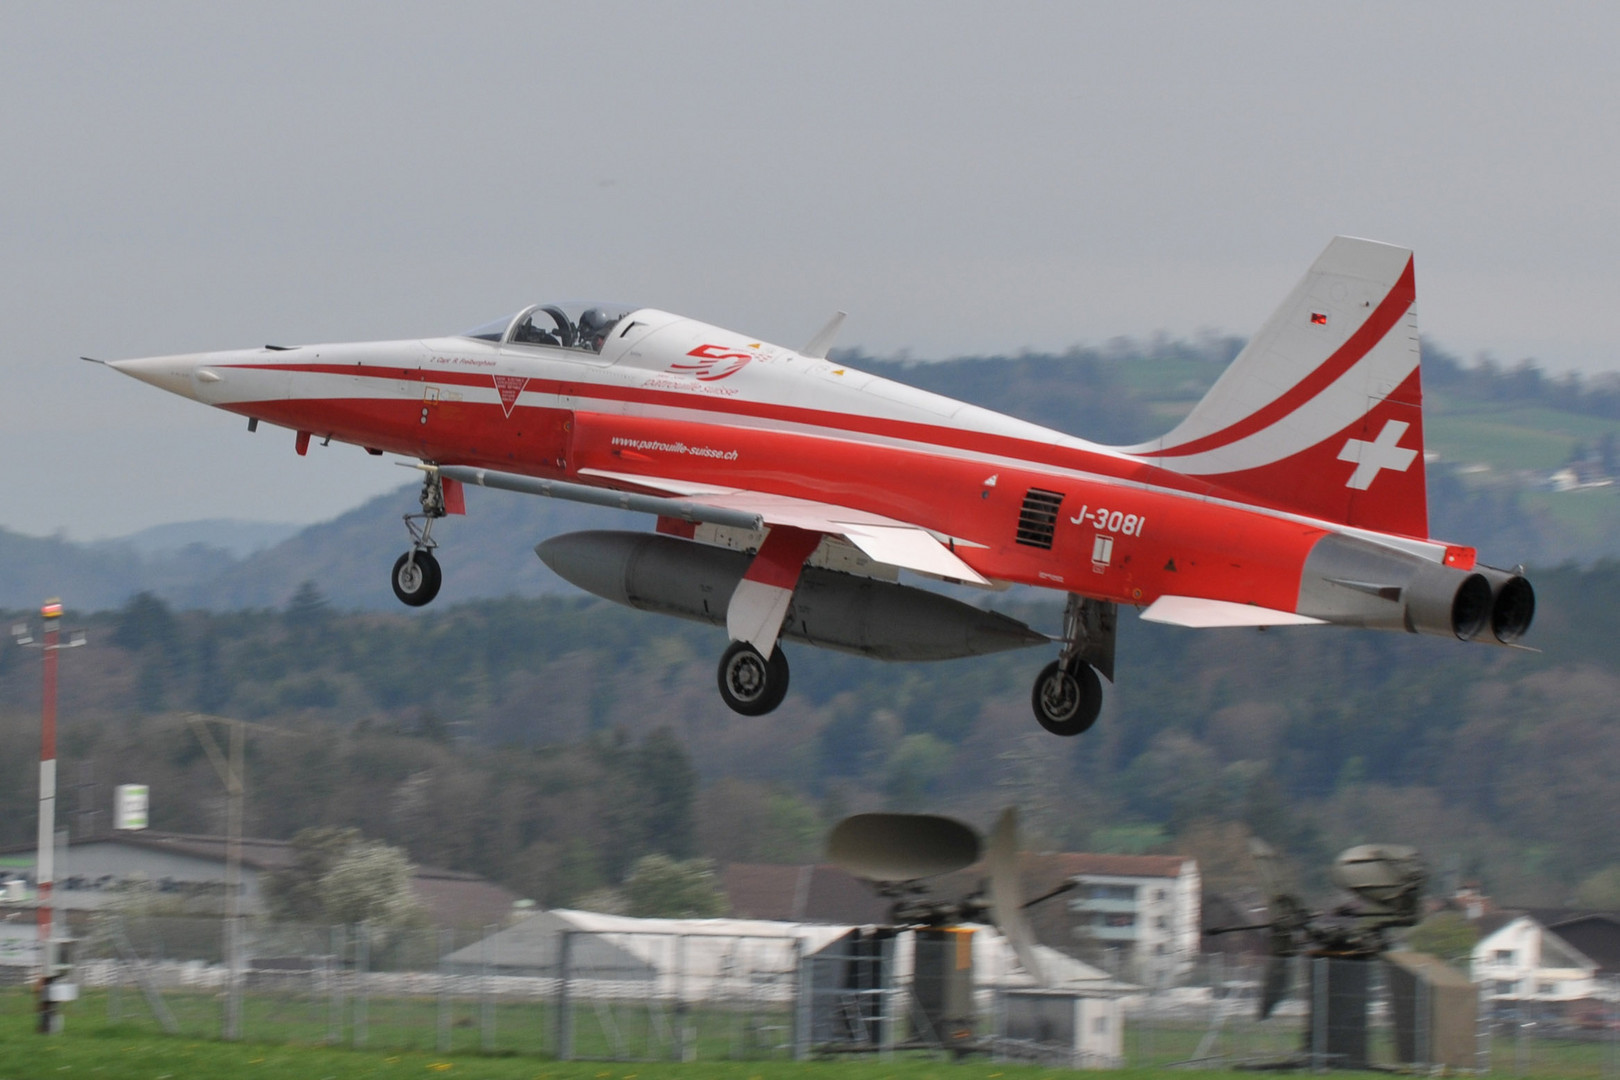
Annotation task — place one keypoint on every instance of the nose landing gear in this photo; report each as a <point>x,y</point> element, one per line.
<point>417,577</point>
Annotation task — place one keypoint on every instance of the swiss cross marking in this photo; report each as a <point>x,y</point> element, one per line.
<point>1384,452</point>
<point>509,387</point>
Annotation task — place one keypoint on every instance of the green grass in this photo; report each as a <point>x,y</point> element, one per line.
<point>1510,437</point>
<point>93,1044</point>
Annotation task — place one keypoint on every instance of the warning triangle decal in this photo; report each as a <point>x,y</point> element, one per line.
<point>509,387</point>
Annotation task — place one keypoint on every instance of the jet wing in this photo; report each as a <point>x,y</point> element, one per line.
<point>882,539</point>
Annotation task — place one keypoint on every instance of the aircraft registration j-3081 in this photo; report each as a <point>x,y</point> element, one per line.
<point>790,490</point>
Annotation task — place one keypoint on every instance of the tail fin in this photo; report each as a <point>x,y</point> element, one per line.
<point>1322,412</point>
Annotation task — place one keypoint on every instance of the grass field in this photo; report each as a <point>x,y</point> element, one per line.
<point>93,1044</point>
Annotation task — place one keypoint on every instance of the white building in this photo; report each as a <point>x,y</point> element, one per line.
<point>1524,961</point>
<point>1141,912</point>
<point>185,874</point>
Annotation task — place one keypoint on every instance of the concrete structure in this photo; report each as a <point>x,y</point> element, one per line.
<point>185,874</point>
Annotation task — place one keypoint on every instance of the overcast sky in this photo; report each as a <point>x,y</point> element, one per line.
<point>959,178</point>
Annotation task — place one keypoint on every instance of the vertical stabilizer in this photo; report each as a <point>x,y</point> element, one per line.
<point>1322,412</point>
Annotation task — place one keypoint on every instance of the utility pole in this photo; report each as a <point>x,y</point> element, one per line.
<point>230,774</point>
<point>50,1020</point>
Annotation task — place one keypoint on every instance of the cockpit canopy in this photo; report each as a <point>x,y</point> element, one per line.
<point>571,325</point>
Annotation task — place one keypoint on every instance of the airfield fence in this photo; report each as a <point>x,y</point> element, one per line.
<point>672,997</point>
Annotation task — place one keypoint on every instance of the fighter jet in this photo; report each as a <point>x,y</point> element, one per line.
<point>791,490</point>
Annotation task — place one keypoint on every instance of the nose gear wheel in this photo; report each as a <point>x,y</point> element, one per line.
<point>416,578</point>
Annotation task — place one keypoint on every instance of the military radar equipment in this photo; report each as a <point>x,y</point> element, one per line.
<point>1387,883</point>
<point>899,855</point>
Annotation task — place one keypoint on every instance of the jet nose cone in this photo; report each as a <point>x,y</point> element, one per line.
<point>171,373</point>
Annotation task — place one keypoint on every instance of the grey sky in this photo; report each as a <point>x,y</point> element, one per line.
<point>960,178</point>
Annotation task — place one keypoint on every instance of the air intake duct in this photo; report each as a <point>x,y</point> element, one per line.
<point>1513,604</point>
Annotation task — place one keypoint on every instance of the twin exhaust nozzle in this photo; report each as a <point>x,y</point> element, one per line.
<point>1355,582</point>
<point>1470,604</point>
<point>1498,600</point>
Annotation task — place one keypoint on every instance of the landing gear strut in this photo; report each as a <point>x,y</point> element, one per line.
<point>749,683</point>
<point>1068,692</point>
<point>416,577</point>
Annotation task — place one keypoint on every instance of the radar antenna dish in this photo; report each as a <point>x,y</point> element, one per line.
<point>1006,895</point>
<point>895,848</point>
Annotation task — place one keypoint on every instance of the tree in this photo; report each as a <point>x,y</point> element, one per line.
<point>662,887</point>
<point>293,893</point>
<point>146,626</point>
<point>1445,934</point>
<point>337,876</point>
<point>914,769</point>
<point>666,786</point>
<point>370,883</point>
<point>1600,891</point>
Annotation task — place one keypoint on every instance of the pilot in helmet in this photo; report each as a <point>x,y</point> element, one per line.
<point>594,325</point>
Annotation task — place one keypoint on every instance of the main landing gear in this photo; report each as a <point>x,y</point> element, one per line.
<point>749,683</point>
<point>1068,692</point>
<point>416,577</point>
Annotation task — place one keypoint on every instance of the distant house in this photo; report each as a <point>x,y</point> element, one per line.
<point>188,873</point>
<point>1525,961</point>
<point>1596,934</point>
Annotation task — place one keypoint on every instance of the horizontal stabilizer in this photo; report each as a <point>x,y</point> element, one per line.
<point>1202,614</point>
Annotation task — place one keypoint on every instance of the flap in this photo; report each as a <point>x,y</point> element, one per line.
<point>1196,612</point>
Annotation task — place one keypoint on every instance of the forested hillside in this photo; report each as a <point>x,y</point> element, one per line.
<point>549,742</point>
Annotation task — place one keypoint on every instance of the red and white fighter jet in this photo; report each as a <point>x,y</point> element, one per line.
<point>790,490</point>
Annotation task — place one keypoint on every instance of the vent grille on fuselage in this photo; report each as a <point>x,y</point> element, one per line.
<point>1037,521</point>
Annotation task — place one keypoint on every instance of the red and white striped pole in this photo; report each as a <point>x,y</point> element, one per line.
<point>45,864</point>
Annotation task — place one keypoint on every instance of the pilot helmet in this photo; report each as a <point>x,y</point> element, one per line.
<point>594,325</point>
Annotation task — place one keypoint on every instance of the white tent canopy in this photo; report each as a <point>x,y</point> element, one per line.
<point>722,958</point>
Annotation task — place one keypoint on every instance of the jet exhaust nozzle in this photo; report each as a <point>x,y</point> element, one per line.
<point>1446,601</point>
<point>1355,582</point>
<point>834,610</point>
<point>1513,604</point>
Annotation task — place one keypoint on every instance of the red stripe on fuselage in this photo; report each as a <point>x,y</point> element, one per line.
<point>837,424</point>
<point>1187,546</point>
<point>1360,343</point>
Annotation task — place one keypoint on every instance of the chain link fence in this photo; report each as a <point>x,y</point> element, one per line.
<point>565,994</point>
